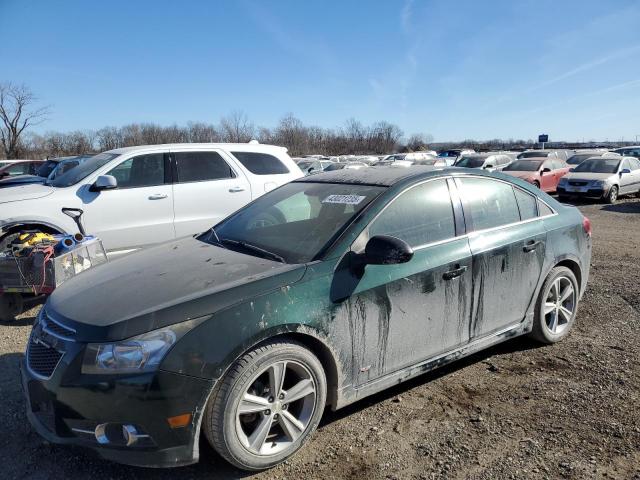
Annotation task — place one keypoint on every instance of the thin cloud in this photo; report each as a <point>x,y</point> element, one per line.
<point>406,15</point>
<point>617,55</point>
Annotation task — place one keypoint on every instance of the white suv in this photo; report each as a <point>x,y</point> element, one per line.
<point>136,196</point>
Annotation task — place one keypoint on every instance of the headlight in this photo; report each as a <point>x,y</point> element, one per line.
<point>563,181</point>
<point>134,355</point>
<point>597,183</point>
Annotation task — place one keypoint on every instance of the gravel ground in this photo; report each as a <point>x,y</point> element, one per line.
<point>519,410</point>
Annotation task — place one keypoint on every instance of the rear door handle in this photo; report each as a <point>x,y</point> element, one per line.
<point>158,196</point>
<point>236,189</point>
<point>530,246</point>
<point>456,272</point>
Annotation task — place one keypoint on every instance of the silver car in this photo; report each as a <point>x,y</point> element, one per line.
<point>602,177</point>
<point>487,161</point>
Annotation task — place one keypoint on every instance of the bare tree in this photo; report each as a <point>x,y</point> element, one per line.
<point>17,114</point>
<point>237,128</point>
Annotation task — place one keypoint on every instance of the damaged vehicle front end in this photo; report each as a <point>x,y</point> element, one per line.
<point>319,293</point>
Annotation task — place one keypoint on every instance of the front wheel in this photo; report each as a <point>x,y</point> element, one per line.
<point>266,406</point>
<point>556,306</point>
<point>612,196</point>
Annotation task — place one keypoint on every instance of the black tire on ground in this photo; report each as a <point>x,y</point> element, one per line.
<point>543,330</point>
<point>612,196</point>
<point>11,305</point>
<point>220,423</point>
<point>6,239</point>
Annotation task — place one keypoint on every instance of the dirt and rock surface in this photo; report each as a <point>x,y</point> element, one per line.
<point>519,410</point>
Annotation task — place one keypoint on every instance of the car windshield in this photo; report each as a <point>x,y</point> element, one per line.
<point>578,159</point>
<point>335,166</point>
<point>293,223</point>
<point>83,170</point>
<point>523,166</point>
<point>305,165</point>
<point>46,168</point>
<point>536,153</point>
<point>598,165</point>
<point>470,162</point>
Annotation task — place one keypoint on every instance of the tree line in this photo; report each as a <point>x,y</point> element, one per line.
<point>19,111</point>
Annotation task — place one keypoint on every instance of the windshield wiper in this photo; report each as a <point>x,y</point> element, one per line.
<point>261,251</point>
<point>217,240</point>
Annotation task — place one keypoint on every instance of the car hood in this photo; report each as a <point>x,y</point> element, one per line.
<point>588,176</point>
<point>19,192</point>
<point>163,285</point>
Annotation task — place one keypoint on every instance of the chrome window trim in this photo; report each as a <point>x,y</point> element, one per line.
<point>366,229</point>
<point>467,234</point>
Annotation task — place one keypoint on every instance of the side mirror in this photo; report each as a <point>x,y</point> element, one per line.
<point>387,250</point>
<point>104,182</point>
<point>545,170</point>
<point>487,167</point>
<point>624,170</point>
<point>310,169</point>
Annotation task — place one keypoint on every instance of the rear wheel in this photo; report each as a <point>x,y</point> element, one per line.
<point>266,406</point>
<point>11,305</point>
<point>612,196</point>
<point>556,306</point>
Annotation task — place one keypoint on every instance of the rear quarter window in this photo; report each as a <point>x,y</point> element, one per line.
<point>261,163</point>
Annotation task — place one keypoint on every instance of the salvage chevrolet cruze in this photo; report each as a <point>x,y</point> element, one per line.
<point>317,294</point>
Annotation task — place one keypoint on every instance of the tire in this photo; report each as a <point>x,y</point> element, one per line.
<point>612,196</point>
<point>547,328</point>
<point>235,436</point>
<point>11,305</point>
<point>6,240</point>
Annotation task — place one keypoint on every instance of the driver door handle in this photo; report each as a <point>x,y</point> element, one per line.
<point>158,196</point>
<point>531,245</point>
<point>236,189</point>
<point>456,272</point>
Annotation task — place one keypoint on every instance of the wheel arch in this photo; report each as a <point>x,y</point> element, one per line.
<point>46,227</point>
<point>572,265</point>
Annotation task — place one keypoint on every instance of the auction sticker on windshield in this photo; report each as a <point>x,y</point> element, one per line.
<point>344,199</point>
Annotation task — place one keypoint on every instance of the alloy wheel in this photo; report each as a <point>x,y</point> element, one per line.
<point>560,305</point>
<point>276,408</point>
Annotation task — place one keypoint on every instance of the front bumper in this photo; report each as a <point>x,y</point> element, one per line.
<point>67,406</point>
<point>586,192</point>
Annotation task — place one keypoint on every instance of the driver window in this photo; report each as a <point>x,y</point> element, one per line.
<point>419,216</point>
<point>140,171</point>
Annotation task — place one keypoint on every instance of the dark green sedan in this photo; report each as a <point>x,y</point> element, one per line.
<point>315,295</point>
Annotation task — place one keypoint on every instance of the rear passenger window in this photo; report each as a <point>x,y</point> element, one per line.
<point>489,202</point>
<point>419,216</point>
<point>201,166</point>
<point>140,171</point>
<point>261,163</point>
<point>527,204</point>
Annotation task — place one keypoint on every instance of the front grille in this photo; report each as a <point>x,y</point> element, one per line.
<point>42,359</point>
<point>56,329</point>
<point>578,184</point>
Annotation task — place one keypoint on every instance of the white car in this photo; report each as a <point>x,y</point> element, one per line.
<point>137,196</point>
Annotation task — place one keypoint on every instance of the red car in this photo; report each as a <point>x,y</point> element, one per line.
<point>544,173</point>
<point>21,167</point>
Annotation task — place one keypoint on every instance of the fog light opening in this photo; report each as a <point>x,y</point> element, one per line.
<point>118,434</point>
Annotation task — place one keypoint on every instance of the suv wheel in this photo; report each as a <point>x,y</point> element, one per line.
<point>556,306</point>
<point>266,406</point>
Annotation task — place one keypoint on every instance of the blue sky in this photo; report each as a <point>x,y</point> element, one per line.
<point>453,69</point>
